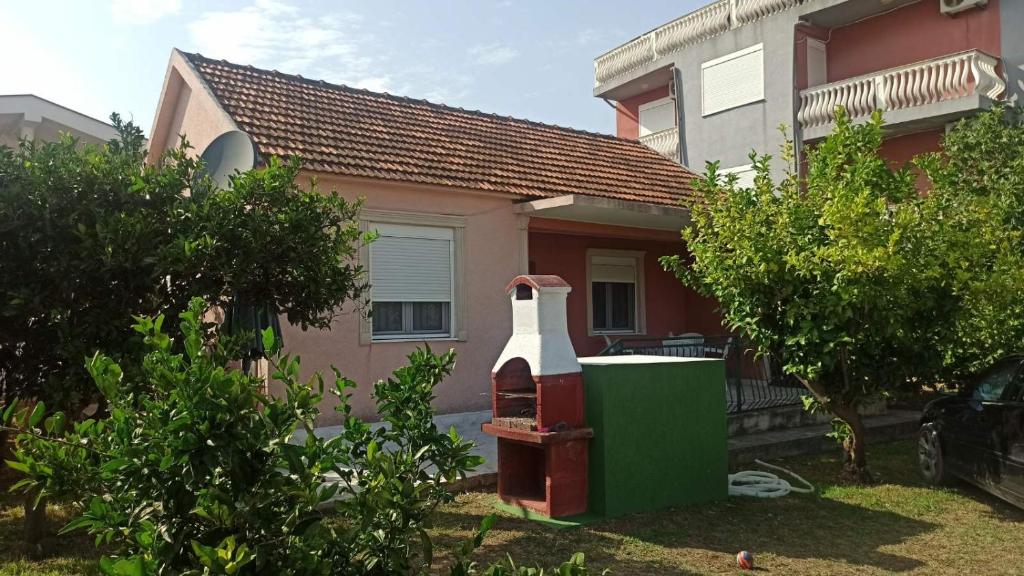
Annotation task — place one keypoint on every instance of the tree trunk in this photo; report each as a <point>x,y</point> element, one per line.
<point>855,454</point>
<point>35,526</point>
<point>5,448</point>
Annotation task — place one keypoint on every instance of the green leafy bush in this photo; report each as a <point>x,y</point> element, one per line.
<point>93,235</point>
<point>195,472</point>
<point>976,206</point>
<point>830,269</point>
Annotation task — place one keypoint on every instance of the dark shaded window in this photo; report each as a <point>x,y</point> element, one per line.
<point>614,306</point>
<point>411,318</point>
<point>990,387</point>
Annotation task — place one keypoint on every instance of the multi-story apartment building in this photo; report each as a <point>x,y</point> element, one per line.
<point>717,83</point>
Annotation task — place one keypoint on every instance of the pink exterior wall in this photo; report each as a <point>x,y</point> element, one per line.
<point>491,258</point>
<point>492,241</point>
<point>491,261</point>
<point>910,34</point>
<point>671,307</point>
<point>627,112</point>
<point>186,107</point>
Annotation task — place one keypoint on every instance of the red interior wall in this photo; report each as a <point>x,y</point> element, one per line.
<point>627,112</point>
<point>909,34</point>
<point>671,307</point>
<point>902,149</point>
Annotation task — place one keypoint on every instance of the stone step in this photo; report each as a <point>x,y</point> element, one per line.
<point>786,417</point>
<point>744,449</point>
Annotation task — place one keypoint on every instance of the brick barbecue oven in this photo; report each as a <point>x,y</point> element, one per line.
<point>537,388</point>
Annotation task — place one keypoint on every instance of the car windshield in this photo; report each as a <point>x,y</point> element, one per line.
<point>991,385</point>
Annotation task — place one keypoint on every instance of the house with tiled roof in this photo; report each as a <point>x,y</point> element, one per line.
<point>463,201</point>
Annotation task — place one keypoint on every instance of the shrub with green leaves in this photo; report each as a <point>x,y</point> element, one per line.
<point>832,270</point>
<point>93,235</point>
<point>196,472</point>
<point>976,206</point>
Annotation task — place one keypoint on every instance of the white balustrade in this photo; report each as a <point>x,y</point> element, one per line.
<point>750,10</point>
<point>918,84</point>
<point>692,28</point>
<point>625,58</point>
<point>664,142</point>
<point>695,27</point>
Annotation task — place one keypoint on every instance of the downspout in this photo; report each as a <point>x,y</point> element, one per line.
<point>677,80</point>
<point>798,136</point>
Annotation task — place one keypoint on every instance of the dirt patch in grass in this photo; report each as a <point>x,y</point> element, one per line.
<point>896,526</point>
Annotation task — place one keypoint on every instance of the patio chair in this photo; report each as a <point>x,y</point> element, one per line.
<point>689,345</point>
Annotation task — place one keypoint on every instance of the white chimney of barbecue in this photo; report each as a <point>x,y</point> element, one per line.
<point>540,331</point>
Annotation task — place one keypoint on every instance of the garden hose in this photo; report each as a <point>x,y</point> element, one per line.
<point>761,484</point>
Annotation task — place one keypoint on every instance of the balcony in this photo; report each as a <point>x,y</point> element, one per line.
<point>695,27</point>
<point>664,142</point>
<point>916,96</point>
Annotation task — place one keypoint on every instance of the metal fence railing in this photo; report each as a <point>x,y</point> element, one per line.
<point>752,382</point>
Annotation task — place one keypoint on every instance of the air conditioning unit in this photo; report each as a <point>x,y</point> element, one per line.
<point>948,7</point>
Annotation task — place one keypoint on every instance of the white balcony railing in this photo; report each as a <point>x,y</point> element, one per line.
<point>928,82</point>
<point>664,142</point>
<point>695,27</point>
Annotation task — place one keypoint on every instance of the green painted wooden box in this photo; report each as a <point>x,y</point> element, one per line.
<point>659,432</point>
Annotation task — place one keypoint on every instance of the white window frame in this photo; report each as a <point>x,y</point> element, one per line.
<point>369,219</point>
<point>640,313</point>
<point>759,97</point>
<point>655,104</point>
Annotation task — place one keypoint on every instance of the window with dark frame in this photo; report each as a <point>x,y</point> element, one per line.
<point>615,297</point>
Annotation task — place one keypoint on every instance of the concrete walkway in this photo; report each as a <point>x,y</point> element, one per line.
<point>467,424</point>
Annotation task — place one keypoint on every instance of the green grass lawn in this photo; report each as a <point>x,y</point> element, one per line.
<point>896,526</point>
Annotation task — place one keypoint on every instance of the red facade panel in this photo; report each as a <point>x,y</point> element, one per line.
<point>671,307</point>
<point>910,34</point>
<point>627,112</point>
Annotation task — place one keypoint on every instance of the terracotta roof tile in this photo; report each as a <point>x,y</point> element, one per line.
<point>340,130</point>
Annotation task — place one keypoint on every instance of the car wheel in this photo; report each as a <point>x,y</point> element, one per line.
<point>930,458</point>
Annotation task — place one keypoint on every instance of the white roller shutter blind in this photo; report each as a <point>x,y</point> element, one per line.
<point>612,269</point>
<point>411,264</point>
<point>744,175</point>
<point>733,80</point>
<point>657,116</point>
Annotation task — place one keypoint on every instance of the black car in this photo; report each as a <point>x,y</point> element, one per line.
<point>978,434</point>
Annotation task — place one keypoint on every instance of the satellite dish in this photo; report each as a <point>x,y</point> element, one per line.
<point>229,153</point>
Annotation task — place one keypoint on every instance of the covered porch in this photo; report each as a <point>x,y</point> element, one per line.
<point>608,251</point>
<point>624,302</point>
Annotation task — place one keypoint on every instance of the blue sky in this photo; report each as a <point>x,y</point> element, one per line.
<point>525,58</point>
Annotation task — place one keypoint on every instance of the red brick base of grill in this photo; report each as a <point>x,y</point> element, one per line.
<point>546,473</point>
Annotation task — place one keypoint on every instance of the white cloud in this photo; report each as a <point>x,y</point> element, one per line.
<point>275,34</point>
<point>333,46</point>
<point>492,54</point>
<point>141,12</point>
<point>41,70</point>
